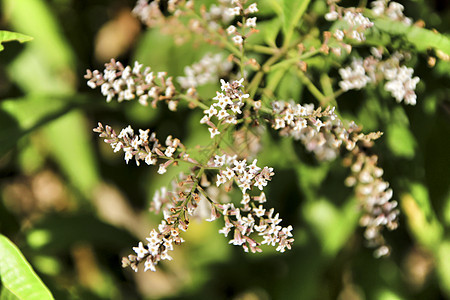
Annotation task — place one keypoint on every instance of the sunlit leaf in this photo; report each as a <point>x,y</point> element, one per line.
<point>423,39</point>
<point>17,276</point>
<point>23,115</point>
<point>293,10</point>
<point>443,266</point>
<point>421,218</point>
<point>400,140</point>
<point>7,36</point>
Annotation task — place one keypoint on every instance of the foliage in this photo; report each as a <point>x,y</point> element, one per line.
<point>74,207</point>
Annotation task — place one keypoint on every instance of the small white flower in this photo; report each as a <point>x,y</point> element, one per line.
<point>240,166</point>
<point>339,35</point>
<point>253,168</point>
<point>234,11</point>
<point>229,173</point>
<point>214,132</point>
<point>149,265</point>
<point>150,160</point>
<point>137,68</point>
<point>245,199</point>
<point>126,72</point>
<point>279,123</point>
<point>252,8</point>
<point>251,22</point>
<point>219,160</point>
<point>231,29</point>
<point>149,78</point>
<point>204,120</point>
<point>222,114</point>
<point>140,250</point>
<point>331,16</point>
<point>169,151</point>
<point>128,155</point>
<point>237,40</point>
<point>259,212</point>
<point>221,179</point>
<point>162,169</point>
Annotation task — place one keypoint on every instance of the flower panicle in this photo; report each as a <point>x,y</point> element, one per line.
<point>129,83</point>
<point>375,196</point>
<point>144,146</point>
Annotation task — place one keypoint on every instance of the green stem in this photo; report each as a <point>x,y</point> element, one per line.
<point>312,88</point>
<point>261,49</point>
<point>194,100</point>
<point>296,59</point>
<point>253,86</point>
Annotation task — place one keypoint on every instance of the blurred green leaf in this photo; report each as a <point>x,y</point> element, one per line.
<point>23,115</point>
<point>443,266</point>
<point>289,87</point>
<point>423,39</point>
<point>35,18</point>
<point>58,233</point>
<point>43,68</point>
<point>333,226</point>
<point>17,276</point>
<point>400,140</point>
<point>69,139</point>
<point>421,218</point>
<point>293,10</point>
<point>7,36</point>
<point>270,31</point>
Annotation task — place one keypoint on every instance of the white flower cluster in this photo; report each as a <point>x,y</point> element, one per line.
<point>356,22</point>
<point>128,83</point>
<point>246,176</point>
<point>218,13</point>
<point>227,107</point>
<point>401,84</point>
<point>393,11</point>
<point>159,243</point>
<point>322,132</point>
<point>148,13</point>
<point>375,196</point>
<point>207,70</point>
<point>354,76</point>
<point>143,146</point>
<point>173,200</point>
<point>239,10</point>
<point>400,81</point>
<point>257,220</point>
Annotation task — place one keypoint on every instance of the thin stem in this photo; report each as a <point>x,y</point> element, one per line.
<point>295,59</point>
<point>193,100</point>
<point>253,86</point>
<point>215,33</point>
<point>261,49</point>
<point>312,88</point>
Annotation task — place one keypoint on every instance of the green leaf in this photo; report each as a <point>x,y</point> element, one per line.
<point>48,64</point>
<point>7,36</point>
<point>18,278</point>
<point>293,10</point>
<point>290,13</point>
<point>443,266</point>
<point>423,39</point>
<point>421,218</point>
<point>59,232</point>
<point>400,140</point>
<point>20,116</point>
<point>69,139</point>
<point>332,225</point>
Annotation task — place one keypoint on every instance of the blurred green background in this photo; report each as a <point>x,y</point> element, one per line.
<point>74,208</point>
